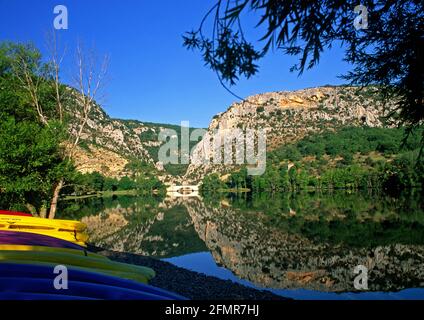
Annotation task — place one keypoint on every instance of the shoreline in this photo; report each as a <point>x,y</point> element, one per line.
<point>102,194</point>
<point>190,284</point>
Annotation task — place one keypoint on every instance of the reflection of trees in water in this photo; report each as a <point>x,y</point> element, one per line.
<point>265,241</point>
<point>340,217</point>
<point>147,226</point>
<point>303,241</point>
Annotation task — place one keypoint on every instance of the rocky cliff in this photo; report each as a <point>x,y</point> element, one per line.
<point>107,145</point>
<point>288,116</point>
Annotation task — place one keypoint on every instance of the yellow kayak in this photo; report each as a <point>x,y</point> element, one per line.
<point>73,231</point>
<point>68,259</point>
<point>14,247</point>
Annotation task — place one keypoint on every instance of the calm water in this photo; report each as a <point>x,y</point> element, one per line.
<point>296,245</point>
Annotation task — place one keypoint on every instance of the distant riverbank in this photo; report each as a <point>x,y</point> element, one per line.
<point>102,194</point>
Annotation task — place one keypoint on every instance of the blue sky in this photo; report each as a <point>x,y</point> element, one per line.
<point>152,77</point>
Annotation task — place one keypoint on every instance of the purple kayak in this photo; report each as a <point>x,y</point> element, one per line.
<point>33,239</point>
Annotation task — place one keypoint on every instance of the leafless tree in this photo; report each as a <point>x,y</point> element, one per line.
<point>90,78</point>
<point>56,59</point>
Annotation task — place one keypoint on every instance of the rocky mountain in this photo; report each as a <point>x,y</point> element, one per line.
<point>108,144</point>
<point>288,116</point>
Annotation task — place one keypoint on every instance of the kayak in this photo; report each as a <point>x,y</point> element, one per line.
<point>68,230</point>
<point>75,260</point>
<point>75,288</point>
<point>15,213</point>
<point>133,276</point>
<point>46,272</point>
<point>8,296</point>
<point>15,247</point>
<point>34,239</point>
<point>35,222</point>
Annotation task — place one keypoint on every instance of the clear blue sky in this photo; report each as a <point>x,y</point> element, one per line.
<point>152,77</point>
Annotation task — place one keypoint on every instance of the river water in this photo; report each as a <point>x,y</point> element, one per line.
<point>304,246</point>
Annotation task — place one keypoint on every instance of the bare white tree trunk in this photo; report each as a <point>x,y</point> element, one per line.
<point>56,61</point>
<point>31,84</point>
<point>89,82</point>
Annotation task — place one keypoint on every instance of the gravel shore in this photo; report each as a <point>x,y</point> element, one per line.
<point>192,285</point>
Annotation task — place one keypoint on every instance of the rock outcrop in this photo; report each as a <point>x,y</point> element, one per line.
<point>108,144</point>
<point>288,116</point>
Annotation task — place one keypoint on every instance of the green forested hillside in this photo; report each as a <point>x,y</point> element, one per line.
<point>151,135</point>
<point>350,158</point>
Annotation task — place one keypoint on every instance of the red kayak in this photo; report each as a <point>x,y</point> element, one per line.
<point>15,213</point>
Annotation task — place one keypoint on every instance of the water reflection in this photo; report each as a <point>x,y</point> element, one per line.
<point>147,226</point>
<point>308,241</point>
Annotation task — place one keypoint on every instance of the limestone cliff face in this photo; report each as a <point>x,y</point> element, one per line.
<point>107,144</point>
<point>99,159</point>
<point>289,116</point>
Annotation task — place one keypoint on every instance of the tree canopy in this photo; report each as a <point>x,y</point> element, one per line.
<point>31,159</point>
<point>387,52</point>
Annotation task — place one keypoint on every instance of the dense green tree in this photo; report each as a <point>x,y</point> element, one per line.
<point>31,92</point>
<point>96,181</point>
<point>212,182</point>
<point>30,163</point>
<point>125,183</point>
<point>31,160</point>
<point>110,184</point>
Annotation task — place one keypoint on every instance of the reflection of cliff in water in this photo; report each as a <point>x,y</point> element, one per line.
<point>311,242</point>
<point>257,249</point>
<point>161,229</point>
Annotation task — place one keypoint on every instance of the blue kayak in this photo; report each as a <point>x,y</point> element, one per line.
<point>80,277</point>
<point>37,296</point>
<point>75,288</point>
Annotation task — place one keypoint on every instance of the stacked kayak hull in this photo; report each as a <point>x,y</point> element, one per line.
<point>73,231</point>
<point>75,288</point>
<point>13,296</point>
<point>15,213</point>
<point>132,276</point>
<point>52,250</point>
<point>34,239</point>
<point>79,278</point>
<point>104,265</point>
<point>31,248</point>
